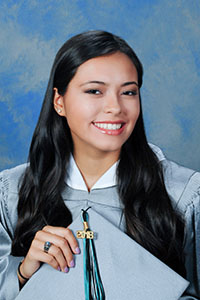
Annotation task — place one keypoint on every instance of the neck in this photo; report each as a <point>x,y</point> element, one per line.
<point>93,166</point>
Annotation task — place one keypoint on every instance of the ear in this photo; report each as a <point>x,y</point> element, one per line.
<point>58,103</point>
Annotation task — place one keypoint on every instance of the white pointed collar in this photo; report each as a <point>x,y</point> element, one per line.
<point>75,179</point>
<point>108,179</point>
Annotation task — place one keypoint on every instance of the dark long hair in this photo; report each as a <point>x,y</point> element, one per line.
<point>150,218</point>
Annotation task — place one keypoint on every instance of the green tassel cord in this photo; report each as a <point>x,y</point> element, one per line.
<point>92,281</point>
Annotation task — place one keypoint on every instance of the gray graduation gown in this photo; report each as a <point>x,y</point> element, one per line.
<point>128,271</point>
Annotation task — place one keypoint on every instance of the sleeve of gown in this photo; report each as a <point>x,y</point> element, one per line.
<point>192,247</point>
<point>9,286</point>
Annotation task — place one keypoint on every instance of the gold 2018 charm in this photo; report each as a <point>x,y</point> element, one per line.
<point>85,234</point>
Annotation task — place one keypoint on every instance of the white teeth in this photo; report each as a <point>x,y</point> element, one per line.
<point>108,126</point>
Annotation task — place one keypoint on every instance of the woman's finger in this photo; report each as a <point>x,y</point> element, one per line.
<point>58,241</point>
<point>65,233</point>
<point>54,256</point>
<point>35,255</point>
<point>57,253</point>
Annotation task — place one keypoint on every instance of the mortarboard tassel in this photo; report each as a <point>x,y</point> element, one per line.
<point>93,285</point>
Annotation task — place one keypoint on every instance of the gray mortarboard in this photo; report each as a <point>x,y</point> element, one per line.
<point>127,270</point>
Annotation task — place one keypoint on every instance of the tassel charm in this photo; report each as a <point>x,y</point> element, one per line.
<point>92,281</point>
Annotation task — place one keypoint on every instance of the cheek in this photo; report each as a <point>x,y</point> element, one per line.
<point>133,112</point>
<point>79,112</point>
<point>137,113</point>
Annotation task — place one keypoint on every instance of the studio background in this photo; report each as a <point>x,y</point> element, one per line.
<point>165,34</point>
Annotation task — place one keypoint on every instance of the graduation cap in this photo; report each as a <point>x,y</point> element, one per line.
<point>124,269</point>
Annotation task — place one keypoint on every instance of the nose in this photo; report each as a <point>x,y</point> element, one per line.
<point>112,104</point>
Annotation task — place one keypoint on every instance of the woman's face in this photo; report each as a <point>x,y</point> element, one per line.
<point>101,103</point>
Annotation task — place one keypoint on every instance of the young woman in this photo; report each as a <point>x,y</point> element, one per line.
<point>89,158</point>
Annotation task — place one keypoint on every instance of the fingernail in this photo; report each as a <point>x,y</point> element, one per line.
<point>78,250</point>
<point>72,264</point>
<point>58,268</point>
<point>66,270</point>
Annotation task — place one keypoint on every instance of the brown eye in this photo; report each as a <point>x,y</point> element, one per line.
<point>130,93</point>
<point>93,91</point>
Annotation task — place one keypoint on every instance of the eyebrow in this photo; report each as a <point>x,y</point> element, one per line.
<point>103,83</point>
<point>130,82</point>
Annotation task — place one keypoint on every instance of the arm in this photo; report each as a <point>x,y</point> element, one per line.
<point>9,285</point>
<point>192,244</point>
<point>60,255</point>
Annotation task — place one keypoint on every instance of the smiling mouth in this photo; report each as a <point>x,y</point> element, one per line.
<point>109,126</point>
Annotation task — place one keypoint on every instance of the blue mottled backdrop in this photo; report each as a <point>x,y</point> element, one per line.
<point>164,33</point>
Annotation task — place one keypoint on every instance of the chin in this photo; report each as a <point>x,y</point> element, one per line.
<point>109,148</point>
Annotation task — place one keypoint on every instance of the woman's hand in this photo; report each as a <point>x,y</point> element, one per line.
<point>59,255</point>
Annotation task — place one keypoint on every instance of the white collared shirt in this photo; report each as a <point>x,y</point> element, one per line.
<point>76,181</point>
<point>108,179</point>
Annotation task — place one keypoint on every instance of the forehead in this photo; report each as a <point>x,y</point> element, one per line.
<point>116,66</point>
